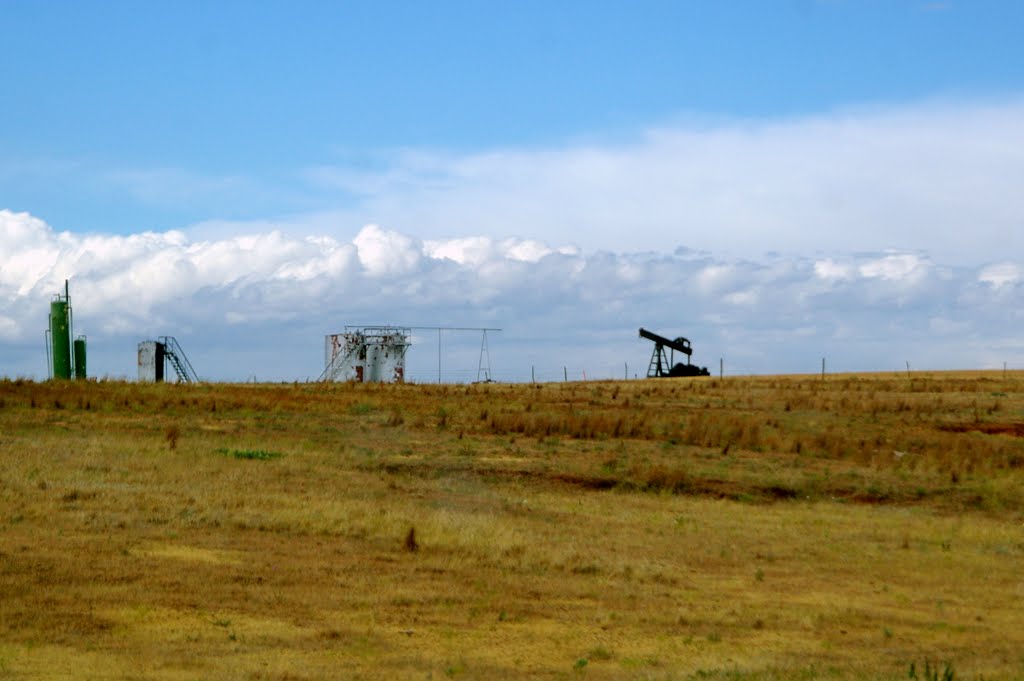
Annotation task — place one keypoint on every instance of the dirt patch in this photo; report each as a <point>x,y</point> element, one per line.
<point>1013,429</point>
<point>652,481</point>
<point>689,484</point>
<point>584,481</point>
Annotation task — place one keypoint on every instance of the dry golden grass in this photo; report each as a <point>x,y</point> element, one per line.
<point>752,528</point>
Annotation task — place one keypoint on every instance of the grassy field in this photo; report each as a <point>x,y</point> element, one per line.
<point>852,527</point>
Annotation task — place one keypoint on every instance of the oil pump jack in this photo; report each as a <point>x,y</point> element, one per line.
<point>662,364</point>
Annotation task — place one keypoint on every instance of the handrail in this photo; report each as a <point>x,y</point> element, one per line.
<point>337,362</point>
<point>182,367</point>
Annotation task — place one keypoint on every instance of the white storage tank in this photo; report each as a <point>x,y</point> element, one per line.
<point>151,361</point>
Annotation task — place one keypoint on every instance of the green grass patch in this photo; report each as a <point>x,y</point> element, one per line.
<point>362,408</point>
<point>253,454</point>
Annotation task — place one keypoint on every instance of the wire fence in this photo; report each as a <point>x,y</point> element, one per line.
<point>629,371</point>
<point>533,374</point>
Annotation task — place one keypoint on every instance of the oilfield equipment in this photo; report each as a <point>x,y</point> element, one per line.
<point>662,364</point>
<point>369,354</point>
<point>156,356</point>
<point>376,354</point>
<point>65,354</point>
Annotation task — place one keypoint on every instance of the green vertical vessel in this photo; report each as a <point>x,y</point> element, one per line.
<point>80,357</point>
<point>60,339</point>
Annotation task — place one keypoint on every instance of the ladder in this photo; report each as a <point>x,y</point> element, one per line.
<point>340,360</point>
<point>175,356</point>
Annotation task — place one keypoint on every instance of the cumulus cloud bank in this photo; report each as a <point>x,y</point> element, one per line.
<point>559,305</point>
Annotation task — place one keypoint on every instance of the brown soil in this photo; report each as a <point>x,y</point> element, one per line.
<point>1014,429</point>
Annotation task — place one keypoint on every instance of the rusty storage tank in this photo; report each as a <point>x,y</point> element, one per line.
<point>371,354</point>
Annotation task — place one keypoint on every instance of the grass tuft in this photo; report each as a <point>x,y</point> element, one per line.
<point>251,454</point>
<point>171,435</point>
<point>410,544</point>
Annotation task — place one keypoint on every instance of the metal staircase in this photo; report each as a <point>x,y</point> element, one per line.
<point>175,356</point>
<point>340,360</point>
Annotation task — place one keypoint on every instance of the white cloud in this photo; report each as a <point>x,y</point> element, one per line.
<point>477,250</point>
<point>939,177</point>
<point>271,293</point>
<point>895,268</point>
<point>830,270</point>
<point>1001,274</point>
<point>382,252</point>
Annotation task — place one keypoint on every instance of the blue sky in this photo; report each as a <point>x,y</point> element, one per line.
<point>719,136</point>
<point>262,91</point>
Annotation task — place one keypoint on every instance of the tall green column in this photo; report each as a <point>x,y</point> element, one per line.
<point>60,339</point>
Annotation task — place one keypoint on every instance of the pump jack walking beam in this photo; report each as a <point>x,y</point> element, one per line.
<point>662,363</point>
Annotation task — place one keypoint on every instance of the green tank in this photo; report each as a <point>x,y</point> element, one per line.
<point>60,339</point>
<point>80,357</point>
